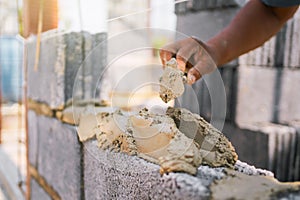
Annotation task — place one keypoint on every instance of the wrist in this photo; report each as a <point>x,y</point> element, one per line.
<point>214,52</point>
<point>210,48</point>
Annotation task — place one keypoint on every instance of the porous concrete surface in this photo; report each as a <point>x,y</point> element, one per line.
<point>296,125</point>
<point>110,175</point>
<point>263,56</point>
<point>219,18</point>
<point>49,75</point>
<point>266,94</point>
<point>32,137</point>
<point>282,145</point>
<point>208,4</point>
<point>255,95</point>
<point>56,153</point>
<point>286,43</point>
<point>60,66</point>
<point>289,106</point>
<point>37,192</point>
<point>276,147</point>
<point>243,140</point>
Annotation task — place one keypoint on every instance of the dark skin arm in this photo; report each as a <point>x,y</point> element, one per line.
<point>251,27</point>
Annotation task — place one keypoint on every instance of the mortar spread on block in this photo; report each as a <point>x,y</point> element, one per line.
<point>162,139</point>
<point>171,82</point>
<point>237,185</point>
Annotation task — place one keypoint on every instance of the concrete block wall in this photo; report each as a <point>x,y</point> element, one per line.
<point>281,50</point>
<point>62,66</point>
<point>268,86</point>
<point>37,192</point>
<point>110,175</point>
<point>269,146</point>
<point>55,153</point>
<point>269,80</point>
<point>198,5</point>
<point>119,176</point>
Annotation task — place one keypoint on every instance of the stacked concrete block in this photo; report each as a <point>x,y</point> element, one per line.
<point>267,145</point>
<point>281,149</point>
<point>292,44</point>
<point>196,23</point>
<point>37,192</point>
<point>281,50</point>
<point>267,95</point>
<point>55,153</point>
<point>59,73</point>
<point>110,175</point>
<point>251,146</point>
<point>255,95</point>
<point>263,56</point>
<point>199,5</point>
<point>295,152</point>
<point>288,104</point>
<point>212,4</point>
<point>68,69</point>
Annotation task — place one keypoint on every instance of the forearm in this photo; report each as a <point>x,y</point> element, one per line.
<point>251,27</point>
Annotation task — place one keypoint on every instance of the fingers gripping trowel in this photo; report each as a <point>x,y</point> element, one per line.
<point>171,82</point>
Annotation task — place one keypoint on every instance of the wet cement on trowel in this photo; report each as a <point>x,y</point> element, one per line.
<point>171,82</point>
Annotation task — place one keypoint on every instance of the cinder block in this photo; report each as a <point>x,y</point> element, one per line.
<point>181,8</point>
<point>94,63</point>
<point>229,75</point>
<point>109,175</point>
<point>244,140</point>
<point>281,144</point>
<point>295,153</point>
<point>295,56</point>
<point>33,137</point>
<point>289,106</point>
<point>273,143</point>
<point>74,56</point>
<point>263,56</point>
<point>292,56</point>
<point>59,157</point>
<point>281,50</point>
<point>255,95</point>
<point>198,5</point>
<point>212,4</point>
<point>219,18</point>
<point>37,192</point>
<point>61,56</point>
<point>267,94</point>
<point>45,84</point>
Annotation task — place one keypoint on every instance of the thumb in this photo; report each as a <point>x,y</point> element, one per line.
<point>193,75</point>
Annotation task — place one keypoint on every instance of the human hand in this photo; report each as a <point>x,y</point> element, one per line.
<point>192,57</point>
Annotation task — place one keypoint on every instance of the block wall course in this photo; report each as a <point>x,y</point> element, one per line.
<point>54,150</point>
<point>37,192</point>
<point>60,67</point>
